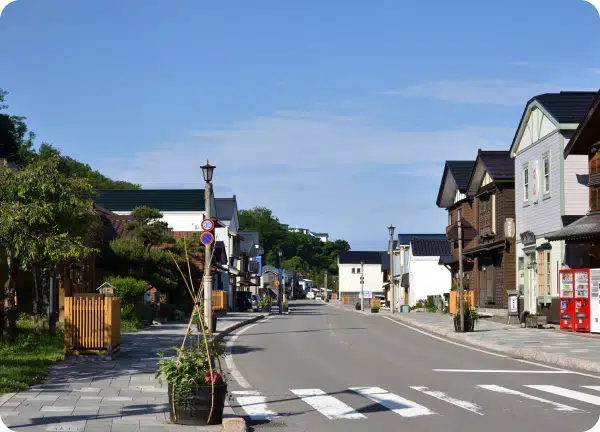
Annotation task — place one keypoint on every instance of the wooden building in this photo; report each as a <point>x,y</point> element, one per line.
<point>491,188</point>
<point>453,197</point>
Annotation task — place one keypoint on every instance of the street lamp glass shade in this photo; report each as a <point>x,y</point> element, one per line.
<point>280,254</point>
<point>391,228</point>
<point>207,171</point>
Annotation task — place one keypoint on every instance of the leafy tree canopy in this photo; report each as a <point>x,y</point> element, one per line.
<point>306,254</point>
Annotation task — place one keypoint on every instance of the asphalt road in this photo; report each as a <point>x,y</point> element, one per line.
<point>322,368</point>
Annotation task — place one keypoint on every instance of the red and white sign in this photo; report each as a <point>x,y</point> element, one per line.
<point>207,225</point>
<point>535,186</point>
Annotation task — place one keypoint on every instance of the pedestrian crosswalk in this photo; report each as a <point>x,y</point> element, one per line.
<point>330,406</point>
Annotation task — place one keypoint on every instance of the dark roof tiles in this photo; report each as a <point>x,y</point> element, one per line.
<point>405,239</point>
<point>566,106</point>
<point>498,164</point>
<point>430,247</point>
<point>461,171</point>
<point>225,208</point>
<point>355,257</point>
<point>161,199</point>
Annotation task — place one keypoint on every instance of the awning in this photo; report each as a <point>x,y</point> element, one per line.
<point>468,232</point>
<point>247,284</point>
<point>385,285</point>
<point>485,249</point>
<point>588,227</point>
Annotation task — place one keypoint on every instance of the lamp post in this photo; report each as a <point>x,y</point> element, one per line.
<point>280,291</point>
<point>391,229</point>
<point>207,172</point>
<point>362,286</point>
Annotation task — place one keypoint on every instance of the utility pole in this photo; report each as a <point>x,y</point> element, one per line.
<point>362,287</point>
<point>207,171</point>
<point>280,279</point>
<point>326,294</point>
<point>460,273</point>
<point>391,229</point>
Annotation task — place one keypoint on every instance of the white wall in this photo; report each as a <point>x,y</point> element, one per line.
<point>427,277</point>
<point>576,194</point>
<point>179,221</point>
<point>350,282</point>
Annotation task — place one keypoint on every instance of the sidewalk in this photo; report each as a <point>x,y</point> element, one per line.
<point>553,346</point>
<point>104,396</point>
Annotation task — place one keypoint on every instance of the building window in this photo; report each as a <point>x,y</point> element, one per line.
<point>546,172</point>
<point>526,183</point>
<point>544,273</point>
<point>353,270</point>
<point>358,270</point>
<point>449,218</point>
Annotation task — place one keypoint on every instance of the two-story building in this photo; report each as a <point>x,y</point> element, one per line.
<point>452,196</point>
<point>351,271</point>
<point>551,192</point>
<point>584,233</point>
<point>492,191</point>
<point>426,277</point>
<point>227,213</point>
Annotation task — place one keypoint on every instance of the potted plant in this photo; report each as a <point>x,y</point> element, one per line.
<point>266,303</point>
<point>536,320</point>
<point>470,319</point>
<point>374,309</point>
<point>285,306</point>
<point>357,306</point>
<point>196,384</point>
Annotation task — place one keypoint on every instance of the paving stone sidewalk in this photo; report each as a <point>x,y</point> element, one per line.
<point>105,396</point>
<point>561,348</point>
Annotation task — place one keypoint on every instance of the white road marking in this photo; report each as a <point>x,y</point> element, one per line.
<point>256,407</point>
<point>572,394</point>
<point>469,406</point>
<point>503,371</point>
<point>597,388</point>
<point>391,401</point>
<point>233,370</point>
<point>595,428</point>
<point>246,393</point>
<point>329,406</point>
<point>504,390</point>
<point>487,352</point>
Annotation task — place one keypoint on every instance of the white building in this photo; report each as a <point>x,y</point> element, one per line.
<point>425,276</point>
<point>324,237</point>
<point>349,267</point>
<point>550,193</point>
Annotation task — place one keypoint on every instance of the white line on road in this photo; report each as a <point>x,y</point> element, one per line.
<point>246,393</point>
<point>503,371</point>
<point>504,390</point>
<point>329,406</point>
<point>487,352</point>
<point>256,407</point>
<point>597,388</point>
<point>572,394</point>
<point>391,401</point>
<point>233,370</point>
<point>469,406</point>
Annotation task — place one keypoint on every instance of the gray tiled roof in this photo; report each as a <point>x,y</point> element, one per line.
<point>566,106</point>
<point>430,247</point>
<point>161,199</point>
<point>460,171</point>
<point>355,257</point>
<point>498,164</point>
<point>404,239</point>
<point>586,227</point>
<point>225,208</point>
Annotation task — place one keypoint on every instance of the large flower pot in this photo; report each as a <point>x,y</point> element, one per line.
<point>196,410</point>
<point>468,323</point>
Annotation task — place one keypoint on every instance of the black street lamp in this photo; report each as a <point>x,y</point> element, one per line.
<point>391,229</point>
<point>280,291</point>
<point>207,171</point>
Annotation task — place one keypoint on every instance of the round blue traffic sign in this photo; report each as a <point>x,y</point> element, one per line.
<point>207,238</point>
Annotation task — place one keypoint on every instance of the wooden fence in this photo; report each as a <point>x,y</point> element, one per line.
<point>469,297</point>
<point>219,300</point>
<point>375,303</point>
<point>92,324</point>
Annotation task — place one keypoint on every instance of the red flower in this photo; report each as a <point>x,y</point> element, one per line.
<point>214,379</point>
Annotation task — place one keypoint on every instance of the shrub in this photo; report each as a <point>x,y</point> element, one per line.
<point>130,290</point>
<point>357,307</point>
<point>375,309</point>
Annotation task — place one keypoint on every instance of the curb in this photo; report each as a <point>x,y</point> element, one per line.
<point>232,422</point>
<point>236,326</point>
<point>523,353</point>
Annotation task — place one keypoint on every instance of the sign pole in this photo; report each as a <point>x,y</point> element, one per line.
<point>362,286</point>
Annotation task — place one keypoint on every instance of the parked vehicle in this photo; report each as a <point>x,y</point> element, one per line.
<point>381,298</point>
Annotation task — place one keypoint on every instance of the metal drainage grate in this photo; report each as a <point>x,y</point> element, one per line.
<point>270,425</point>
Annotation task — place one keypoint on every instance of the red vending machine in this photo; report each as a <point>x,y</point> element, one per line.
<point>567,309</point>
<point>582,300</point>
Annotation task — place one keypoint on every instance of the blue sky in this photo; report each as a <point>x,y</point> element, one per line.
<point>337,115</point>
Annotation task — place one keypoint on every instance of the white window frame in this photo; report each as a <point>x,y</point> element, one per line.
<point>525,169</point>
<point>546,175</point>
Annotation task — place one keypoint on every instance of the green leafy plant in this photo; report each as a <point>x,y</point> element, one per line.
<point>130,290</point>
<point>375,309</point>
<point>357,306</point>
<point>190,370</point>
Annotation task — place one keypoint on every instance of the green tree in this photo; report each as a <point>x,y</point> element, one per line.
<point>16,140</point>
<point>261,219</point>
<point>49,219</point>
<point>297,264</point>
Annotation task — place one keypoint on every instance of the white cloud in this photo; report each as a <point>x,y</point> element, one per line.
<point>489,92</point>
<point>323,172</point>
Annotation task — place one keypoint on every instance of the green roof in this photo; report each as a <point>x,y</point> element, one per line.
<point>161,199</point>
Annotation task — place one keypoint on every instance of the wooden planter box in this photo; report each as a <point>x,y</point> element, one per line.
<point>219,300</point>
<point>92,324</point>
<point>536,321</point>
<point>469,300</point>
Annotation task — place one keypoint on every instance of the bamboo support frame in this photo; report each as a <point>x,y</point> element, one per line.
<point>197,298</point>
